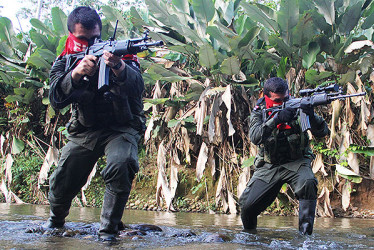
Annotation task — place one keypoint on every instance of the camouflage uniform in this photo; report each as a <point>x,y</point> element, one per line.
<point>98,127</point>
<point>284,157</point>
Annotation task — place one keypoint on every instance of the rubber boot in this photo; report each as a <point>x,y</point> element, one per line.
<point>249,223</point>
<point>57,216</point>
<point>307,211</point>
<point>111,214</point>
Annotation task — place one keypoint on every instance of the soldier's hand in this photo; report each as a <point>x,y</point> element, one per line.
<point>307,109</point>
<point>285,115</point>
<point>113,61</point>
<point>86,67</point>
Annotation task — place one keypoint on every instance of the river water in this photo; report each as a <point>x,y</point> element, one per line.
<point>180,231</point>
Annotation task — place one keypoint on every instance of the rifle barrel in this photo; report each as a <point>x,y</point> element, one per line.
<point>345,96</point>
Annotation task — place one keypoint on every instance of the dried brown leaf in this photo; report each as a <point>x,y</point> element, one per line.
<point>8,167</point>
<point>336,108</point>
<point>346,195</point>
<point>232,203</point>
<point>4,190</point>
<point>359,45</point>
<point>244,177</point>
<point>50,159</point>
<point>201,161</point>
<point>226,97</point>
<point>163,189</point>
<point>318,165</point>
<point>186,144</point>
<point>200,112</point>
<point>212,119</point>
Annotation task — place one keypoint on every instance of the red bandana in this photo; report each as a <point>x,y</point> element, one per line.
<point>74,45</point>
<point>269,104</point>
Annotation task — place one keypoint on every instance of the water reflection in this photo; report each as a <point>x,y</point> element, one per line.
<point>273,231</point>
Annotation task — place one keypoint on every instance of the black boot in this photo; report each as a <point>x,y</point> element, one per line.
<point>111,214</point>
<point>249,223</point>
<point>307,211</point>
<point>57,216</point>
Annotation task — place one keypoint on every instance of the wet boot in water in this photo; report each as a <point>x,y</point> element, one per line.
<point>57,216</point>
<point>307,210</point>
<point>249,223</point>
<point>111,214</point>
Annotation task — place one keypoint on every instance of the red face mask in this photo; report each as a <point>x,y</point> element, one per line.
<point>270,103</point>
<point>74,45</point>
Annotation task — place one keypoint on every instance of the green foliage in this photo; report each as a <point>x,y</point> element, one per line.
<point>25,171</point>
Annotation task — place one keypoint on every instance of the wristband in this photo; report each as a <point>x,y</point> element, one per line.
<point>117,66</point>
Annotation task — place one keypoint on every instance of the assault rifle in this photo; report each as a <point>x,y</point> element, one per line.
<point>313,97</point>
<point>118,48</point>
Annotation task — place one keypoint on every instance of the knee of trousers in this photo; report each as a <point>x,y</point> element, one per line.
<point>118,176</point>
<point>308,190</point>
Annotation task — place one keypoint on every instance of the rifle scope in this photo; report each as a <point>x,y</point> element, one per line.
<point>332,87</point>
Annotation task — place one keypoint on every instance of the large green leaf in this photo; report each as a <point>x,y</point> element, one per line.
<point>5,78</point>
<point>348,174</point>
<point>219,36</point>
<point>326,8</point>
<point>258,15</point>
<point>246,52</point>
<point>136,19</point>
<point>368,151</point>
<point>17,74</point>
<point>369,22</point>
<point>47,55</point>
<point>350,18</point>
<point>312,77</point>
<point>267,10</point>
<point>284,49</point>
<point>59,19</point>
<point>17,145</point>
<point>61,45</point>
<point>161,13</point>
<point>288,16</point>
<point>230,66</point>
<point>182,5</point>
<point>114,15</point>
<point>204,10</point>
<point>6,31</point>
<point>39,62</point>
<point>304,31</point>
<point>207,56</point>
<point>41,41</point>
<point>37,24</point>
<point>281,72</point>
<point>249,37</point>
<point>310,57</point>
<point>157,72</point>
<point>5,49</point>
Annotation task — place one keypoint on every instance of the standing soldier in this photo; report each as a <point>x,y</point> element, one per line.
<point>98,126</point>
<point>284,157</point>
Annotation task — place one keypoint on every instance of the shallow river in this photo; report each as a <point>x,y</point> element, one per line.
<point>181,231</point>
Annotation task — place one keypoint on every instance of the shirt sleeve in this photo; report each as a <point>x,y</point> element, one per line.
<point>131,79</point>
<point>258,129</point>
<point>63,91</point>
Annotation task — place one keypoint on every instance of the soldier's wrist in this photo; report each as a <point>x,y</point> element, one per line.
<point>117,66</point>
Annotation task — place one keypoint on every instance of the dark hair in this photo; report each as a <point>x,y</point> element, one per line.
<point>84,15</point>
<point>276,85</point>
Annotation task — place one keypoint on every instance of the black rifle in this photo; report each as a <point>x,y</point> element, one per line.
<point>313,97</point>
<point>118,48</point>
